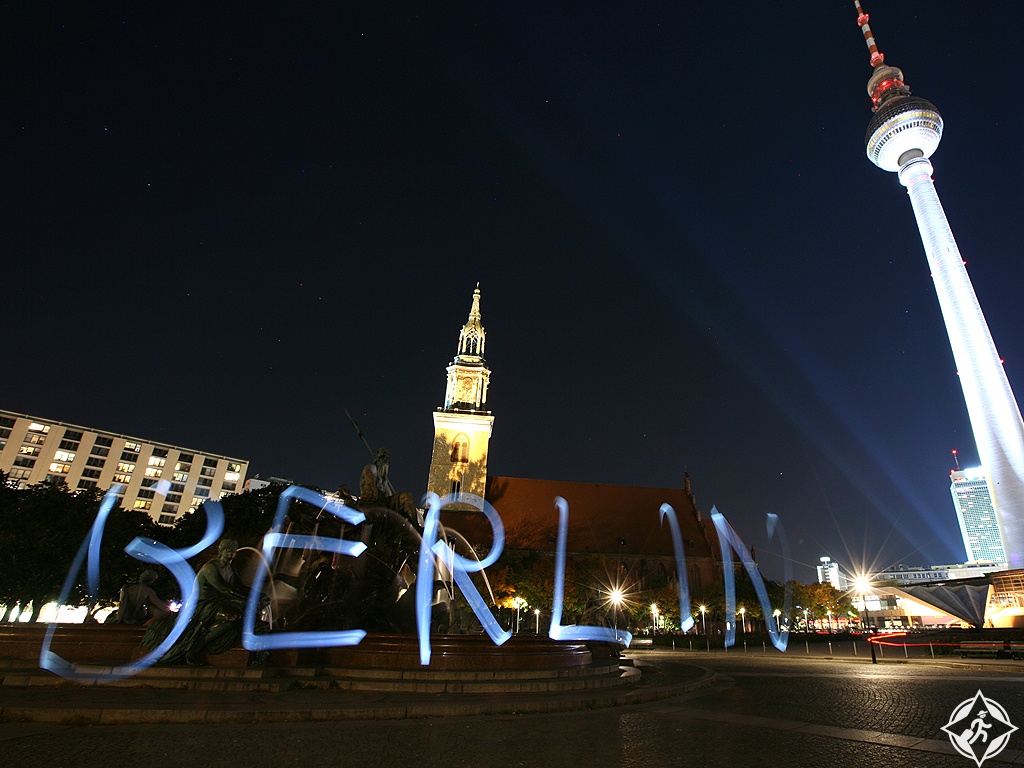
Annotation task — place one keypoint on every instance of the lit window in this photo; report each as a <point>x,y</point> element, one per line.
<point>156,461</point>
<point>140,504</point>
<point>133,447</point>
<point>234,467</point>
<point>122,479</point>
<point>35,439</point>
<point>182,466</point>
<point>29,450</point>
<point>125,467</point>
<point>64,456</point>
<point>61,468</point>
<point>42,428</point>
<point>153,472</point>
<point>232,477</point>
<point>181,477</point>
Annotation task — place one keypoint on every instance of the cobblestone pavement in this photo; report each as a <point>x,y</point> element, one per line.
<point>771,710</point>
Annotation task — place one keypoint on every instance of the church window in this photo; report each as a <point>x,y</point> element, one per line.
<point>456,488</point>
<point>460,451</point>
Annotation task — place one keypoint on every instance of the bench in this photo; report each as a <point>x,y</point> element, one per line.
<point>995,649</point>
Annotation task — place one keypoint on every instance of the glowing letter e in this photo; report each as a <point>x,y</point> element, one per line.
<point>573,632</point>
<point>276,540</point>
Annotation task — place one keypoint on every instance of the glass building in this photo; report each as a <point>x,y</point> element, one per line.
<point>977,516</point>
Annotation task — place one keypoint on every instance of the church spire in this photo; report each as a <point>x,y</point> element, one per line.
<point>462,427</point>
<point>472,336</point>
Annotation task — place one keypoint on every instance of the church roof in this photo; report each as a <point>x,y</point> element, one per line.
<point>606,519</point>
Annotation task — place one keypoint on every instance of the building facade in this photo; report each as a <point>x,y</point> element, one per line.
<point>462,427</point>
<point>977,516</point>
<point>163,480</point>
<point>828,573</point>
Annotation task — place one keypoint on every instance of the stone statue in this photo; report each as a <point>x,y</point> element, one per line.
<point>139,602</point>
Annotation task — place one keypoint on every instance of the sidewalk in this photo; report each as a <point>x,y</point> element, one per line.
<point>75,703</point>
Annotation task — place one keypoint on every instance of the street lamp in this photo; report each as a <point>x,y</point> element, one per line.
<point>743,620</point>
<point>863,586</point>
<point>536,615</point>
<point>830,621</point>
<point>616,597</point>
<point>806,626</point>
<point>778,626</point>
<point>703,621</point>
<point>654,616</point>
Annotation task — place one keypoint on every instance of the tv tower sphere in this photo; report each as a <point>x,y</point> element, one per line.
<point>903,128</point>
<point>901,137</point>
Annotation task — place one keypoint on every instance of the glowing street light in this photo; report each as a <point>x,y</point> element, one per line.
<point>778,622</point>
<point>536,615</point>
<point>654,616</point>
<point>616,597</point>
<point>743,619</point>
<point>807,627</point>
<point>703,621</point>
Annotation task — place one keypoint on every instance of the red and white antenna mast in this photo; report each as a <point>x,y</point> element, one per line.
<point>877,57</point>
<point>887,82</point>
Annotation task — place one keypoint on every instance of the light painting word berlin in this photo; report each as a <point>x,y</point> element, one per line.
<point>432,552</point>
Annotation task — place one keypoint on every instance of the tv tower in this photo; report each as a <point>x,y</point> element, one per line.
<point>902,135</point>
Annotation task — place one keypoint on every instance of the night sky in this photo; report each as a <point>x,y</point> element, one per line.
<point>227,224</point>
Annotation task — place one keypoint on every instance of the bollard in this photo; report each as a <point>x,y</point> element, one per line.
<point>874,659</point>
<point>744,646</point>
<point>905,652</point>
<point>764,648</point>
<point>691,645</point>
<point>932,649</point>
<point>807,647</point>
<point>854,647</point>
<point>673,643</point>
<point>881,650</point>
<point>830,649</point>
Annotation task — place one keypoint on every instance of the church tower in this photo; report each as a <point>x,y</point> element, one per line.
<point>462,427</point>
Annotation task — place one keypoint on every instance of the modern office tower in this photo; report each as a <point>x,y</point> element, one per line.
<point>462,428</point>
<point>901,136</point>
<point>976,515</point>
<point>35,450</point>
<point>828,573</point>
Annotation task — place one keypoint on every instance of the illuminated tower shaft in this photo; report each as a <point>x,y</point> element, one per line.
<point>901,136</point>
<point>995,417</point>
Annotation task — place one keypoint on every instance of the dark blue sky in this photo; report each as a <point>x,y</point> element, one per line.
<point>227,225</point>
